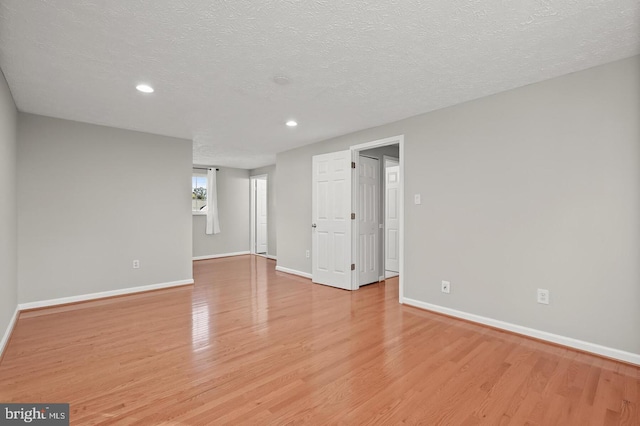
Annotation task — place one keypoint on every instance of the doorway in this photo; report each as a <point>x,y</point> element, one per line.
<point>259,215</point>
<point>377,213</point>
<point>391,191</point>
<point>368,218</point>
<point>336,198</point>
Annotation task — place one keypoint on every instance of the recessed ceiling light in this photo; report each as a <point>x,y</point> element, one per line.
<point>144,88</point>
<point>292,123</point>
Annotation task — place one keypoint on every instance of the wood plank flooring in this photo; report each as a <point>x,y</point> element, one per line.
<point>249,345</point>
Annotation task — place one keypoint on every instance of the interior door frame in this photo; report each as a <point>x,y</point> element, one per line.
<point>355,156</point>
<point>383,239</point>
<point>252,208</point>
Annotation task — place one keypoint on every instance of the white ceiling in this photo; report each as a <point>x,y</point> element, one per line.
<point>352,64</point>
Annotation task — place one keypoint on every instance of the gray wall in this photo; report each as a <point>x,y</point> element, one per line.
<point>8,209</point>
<point>233,210</point>
<point>534,187</point>
<point>104,196</point>
<point>272,240</point>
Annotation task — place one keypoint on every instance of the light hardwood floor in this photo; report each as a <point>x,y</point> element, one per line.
<point>248,345</point>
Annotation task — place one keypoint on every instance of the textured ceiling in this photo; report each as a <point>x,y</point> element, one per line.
<point>352,64</point>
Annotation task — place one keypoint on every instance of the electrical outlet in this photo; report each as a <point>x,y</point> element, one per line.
<point>308,254</point>
<point>543,296</point>
<point>446,287</point>
<point>136,264</point>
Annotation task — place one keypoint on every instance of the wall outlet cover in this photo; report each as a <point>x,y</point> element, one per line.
<point>543,296</point>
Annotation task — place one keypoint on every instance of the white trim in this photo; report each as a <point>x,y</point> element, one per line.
<point>390,274</point>
<point>272,257</point>
<point>378,143</point>
<point>381,278</point>
<point>531,332</point>
<point>386,160</point>
<point>293,272</point>
<point>101,295</point>
<point>399,139</point>
<point>252,215</point>
<point>252,210</point>
<point>216,256</point>
<point>8,331</point>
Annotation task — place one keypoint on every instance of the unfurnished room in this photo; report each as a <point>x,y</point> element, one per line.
<point>319,212</point>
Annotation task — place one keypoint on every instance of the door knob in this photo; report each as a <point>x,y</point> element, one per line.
<point>313,225</point>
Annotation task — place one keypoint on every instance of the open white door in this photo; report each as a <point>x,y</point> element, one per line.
<point>331,219</point>
<point>261,216</point>
<point>392,219</point>
<point>367,216</point>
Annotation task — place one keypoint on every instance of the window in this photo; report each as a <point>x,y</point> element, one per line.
<point>199,193</point>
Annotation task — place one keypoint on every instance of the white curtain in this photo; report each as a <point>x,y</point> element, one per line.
<point>213,222</point>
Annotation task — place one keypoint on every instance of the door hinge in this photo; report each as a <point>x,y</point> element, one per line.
<point>353,164</point>
<point>353,266</point>
<point>353,216</point>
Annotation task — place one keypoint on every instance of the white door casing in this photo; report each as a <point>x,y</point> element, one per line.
<point>367,216</point>
<point>261,216</point>
<point>331,219</point>
<point>393,140</point>
<point>392,218</point>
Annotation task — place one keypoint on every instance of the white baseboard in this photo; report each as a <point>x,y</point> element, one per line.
<point>100,295</point>
<point>216,256</point>
<point>8,331</point>
<point>390,274</point>
<point>531,332</point>
<point>271,257</point>
<point>293,272</point>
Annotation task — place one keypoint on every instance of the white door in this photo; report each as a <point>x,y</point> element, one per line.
<point>261,216</point>
<point>331,219</point>
<point>392,219</point>
<point>367,215</point>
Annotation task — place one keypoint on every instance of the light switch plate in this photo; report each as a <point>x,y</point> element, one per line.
<point>416,199</point>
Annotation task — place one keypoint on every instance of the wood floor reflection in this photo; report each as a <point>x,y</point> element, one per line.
<point>249,345</point>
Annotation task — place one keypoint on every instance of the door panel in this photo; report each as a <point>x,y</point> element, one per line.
<point>261,216</point>
<point>322,251</point>
<point>392,218</point>
<point>331,215</point>
<point>368,222</point>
